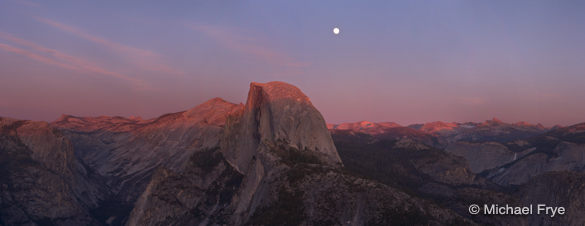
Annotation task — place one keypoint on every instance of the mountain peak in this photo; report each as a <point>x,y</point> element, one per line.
<point>493,121</point>
<point>212,111</point>
<point>274,91</point>
<point>63,117</point>
<point>277,113</point>
<point>366,124</point>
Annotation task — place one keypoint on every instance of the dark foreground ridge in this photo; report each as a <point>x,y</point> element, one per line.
<point>273,161</point>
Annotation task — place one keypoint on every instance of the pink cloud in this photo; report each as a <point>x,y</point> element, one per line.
<point>35,56</point>
<point>56,58</point>
<point>246,45</point>
<point>141,58</point>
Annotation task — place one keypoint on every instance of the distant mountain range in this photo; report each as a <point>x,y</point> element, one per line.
<point>504,162</point>
<point>274,161</point>
<point>493,129</point>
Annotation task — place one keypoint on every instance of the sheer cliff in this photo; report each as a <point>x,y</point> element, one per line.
<point>274,161</point>
<point>276,165</point>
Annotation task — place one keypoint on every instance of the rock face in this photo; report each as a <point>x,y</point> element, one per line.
<point>126,153</point>
<point>518,164</point>
<point>273,161</point>
<point>559,150</point>
<point>41,182</point>
<point>276,165</point>
<point>276,113</point>
<point>489,131</point>
<point>562,188</point>
<point>485,146</point>
<point>482,156</point>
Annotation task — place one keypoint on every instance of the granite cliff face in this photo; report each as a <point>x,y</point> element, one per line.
<point>276,165</point>
<point>126,152</point>
<point>278,120</point>
<point>493,130</point>
<point>41,182</point>
<point>274,161</point>
<point>485,146</point>
<point>490,162</point>
<point>270,161</point>
<point>277,113</point>
<point>559,150</point>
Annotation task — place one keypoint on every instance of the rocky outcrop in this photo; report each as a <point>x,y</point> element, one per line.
<point>482,156</point>
<point>562,149</point>
<point>126,152</point>
<point>558,189</point>
<point>400,161</point>
<point>277,123</point>
<point>276,164</point>
<point>565,156</point>
<point>98,176</point>
<point>489,131</point>
<point>273,161</point>
<point>41,181</point>
<point>296,193</point>
<point>276,113</point>
<point>202,194</point>
<point>545,168</point>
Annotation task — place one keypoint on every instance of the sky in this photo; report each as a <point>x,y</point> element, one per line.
<point>401,61</point>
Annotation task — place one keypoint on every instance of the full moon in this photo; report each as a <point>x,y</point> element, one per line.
<point>336,30</point>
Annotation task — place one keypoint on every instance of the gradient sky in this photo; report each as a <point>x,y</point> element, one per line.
<point>402,61</point>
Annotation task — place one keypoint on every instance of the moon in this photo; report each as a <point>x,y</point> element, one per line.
<point>336,30</point>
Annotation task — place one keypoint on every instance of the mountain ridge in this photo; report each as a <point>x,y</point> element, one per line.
<point>274,160</point>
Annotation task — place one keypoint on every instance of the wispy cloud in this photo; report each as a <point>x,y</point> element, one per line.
<point>96,39</point>
<point>247,45</point>
<point>57,58</point>
<point>141,58</point>
<point>35,56</point>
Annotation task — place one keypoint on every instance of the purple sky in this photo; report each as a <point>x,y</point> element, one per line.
<point>401,61</point>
